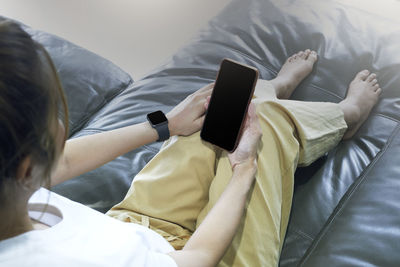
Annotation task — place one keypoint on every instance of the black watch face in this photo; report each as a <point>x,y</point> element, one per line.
<point>156,117</point>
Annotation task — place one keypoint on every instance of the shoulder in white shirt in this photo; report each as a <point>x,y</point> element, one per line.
<point>81,236</point>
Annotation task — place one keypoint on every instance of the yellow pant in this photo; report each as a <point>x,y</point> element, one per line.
<point>178,187</point>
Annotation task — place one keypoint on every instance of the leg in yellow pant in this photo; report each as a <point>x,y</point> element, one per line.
<point>179,186</point>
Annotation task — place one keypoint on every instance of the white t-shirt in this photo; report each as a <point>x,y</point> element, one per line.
<point>81,236</point>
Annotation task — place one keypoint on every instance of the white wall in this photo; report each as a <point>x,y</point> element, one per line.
<point>137,35</point>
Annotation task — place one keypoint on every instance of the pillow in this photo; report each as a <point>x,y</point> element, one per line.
<point>89,80</point>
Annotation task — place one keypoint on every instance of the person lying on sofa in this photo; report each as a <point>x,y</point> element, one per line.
<point>192,204</point>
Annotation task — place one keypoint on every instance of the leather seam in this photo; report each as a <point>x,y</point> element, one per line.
<point>245,55</point>
<point>302,234</point>
<point>151,149</point>
<point>387,117</point>
<point>83,122</point>
<point>346,198</point>
<point>325,91</point>
<point>271,70</point>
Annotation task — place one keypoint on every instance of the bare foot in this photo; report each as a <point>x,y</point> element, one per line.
<point>362,95</point>
<point>295,69</point>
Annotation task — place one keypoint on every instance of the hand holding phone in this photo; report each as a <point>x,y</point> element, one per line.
<point>232,93</point>
<point>246,151</point>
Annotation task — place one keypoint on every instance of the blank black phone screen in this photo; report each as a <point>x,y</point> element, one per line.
<point>229,101</point>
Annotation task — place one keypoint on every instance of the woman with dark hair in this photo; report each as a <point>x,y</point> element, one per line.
<point>190,194</point>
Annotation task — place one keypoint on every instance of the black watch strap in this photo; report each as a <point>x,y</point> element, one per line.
<point>163,131</point>
<point>159,122</point>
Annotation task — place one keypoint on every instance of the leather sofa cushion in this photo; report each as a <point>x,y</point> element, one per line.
<point>346,210</point>
<point>89,80</point>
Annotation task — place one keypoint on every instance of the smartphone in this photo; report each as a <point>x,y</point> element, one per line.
<point>230,99</point>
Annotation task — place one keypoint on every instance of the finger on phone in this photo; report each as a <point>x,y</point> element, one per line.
<point>252,110</point>
<point>200,121</point>
<point>206,92</point>
<point>207,102</point>
<point>206,88</point>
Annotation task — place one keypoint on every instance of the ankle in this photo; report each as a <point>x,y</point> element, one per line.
<point>351,112</point>
<point>281,87</point>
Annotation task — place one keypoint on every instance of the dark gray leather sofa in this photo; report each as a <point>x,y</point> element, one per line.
<point>346,206</point>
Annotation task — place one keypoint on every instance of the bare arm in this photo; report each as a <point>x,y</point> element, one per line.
<point>87,153</point>
<point>209,242</point>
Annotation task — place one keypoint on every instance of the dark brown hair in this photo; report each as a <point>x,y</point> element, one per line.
<point>30,97</point>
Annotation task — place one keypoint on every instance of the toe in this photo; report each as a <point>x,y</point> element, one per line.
<point>307,53</point>
<point>298,55</point>
<point>378,91</point>
<point>290,58</point>
<point>312,56</point>
<point>362,75</point>
<point>302,55</point>
<point>374,81</point>
<point>371,77</point>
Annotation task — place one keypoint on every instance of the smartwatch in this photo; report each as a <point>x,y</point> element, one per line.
<point>159,122</point>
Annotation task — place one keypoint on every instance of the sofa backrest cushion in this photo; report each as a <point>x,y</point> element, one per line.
<point>89,80</point>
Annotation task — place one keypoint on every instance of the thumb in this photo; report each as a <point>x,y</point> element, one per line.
<point>199,122</point>
<point>207,102</point>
